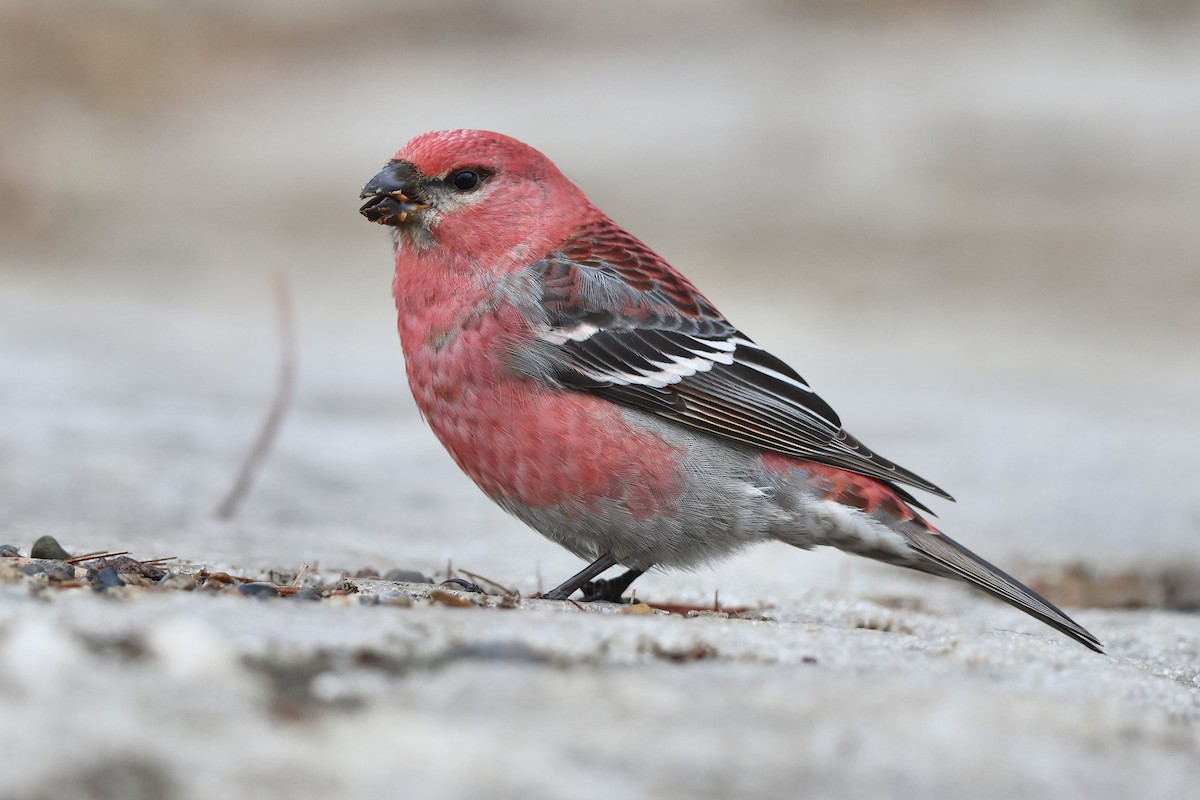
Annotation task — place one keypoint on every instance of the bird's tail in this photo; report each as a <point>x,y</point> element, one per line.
<point>944,556</point>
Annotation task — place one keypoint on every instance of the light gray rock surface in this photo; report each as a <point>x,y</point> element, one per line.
<point>973,229</point>
<point>833,697</point>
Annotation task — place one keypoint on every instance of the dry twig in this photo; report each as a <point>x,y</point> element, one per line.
<point>480,579</point>
<point>96,555</point>
<point>284,389</point>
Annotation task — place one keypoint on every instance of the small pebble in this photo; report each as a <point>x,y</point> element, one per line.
<point>406,576</point>
<point>307,593</point>
<point>48,547</point>
<point>34,568</point>
<point>125,565</point>
<point>178,580</point>
<point>395,599</point>
<point>137,580</point>
<point>449,599</point>
<point>258,589</point>
<point>9,551</point>
<point>106,578</point>
<point>60,571</point>
<point>367,572</point>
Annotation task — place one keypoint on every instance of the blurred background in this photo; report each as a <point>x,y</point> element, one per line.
<point>974,227</point>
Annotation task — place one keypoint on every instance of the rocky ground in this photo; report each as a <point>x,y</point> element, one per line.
<point>141,682</point>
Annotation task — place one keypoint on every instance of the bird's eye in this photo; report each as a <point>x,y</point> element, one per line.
<point>466,179</point>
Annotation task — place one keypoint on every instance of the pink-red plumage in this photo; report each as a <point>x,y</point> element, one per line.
<point>599,243</point>
<point>521,446</point>
<point>591,390</point>
<point>850,489</point>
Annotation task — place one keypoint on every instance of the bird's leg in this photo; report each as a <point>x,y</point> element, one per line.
<point>609,591</point>
<point>576,581</point>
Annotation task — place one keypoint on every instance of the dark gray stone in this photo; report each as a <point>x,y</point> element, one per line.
<point>124,565</point>
<point>259,589</point>
<point>48,547</point>
<point>59,571</point>
<point>106,578</point>
<point>406,576</point>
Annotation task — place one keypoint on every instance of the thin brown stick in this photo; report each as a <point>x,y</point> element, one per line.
<point>285,385</point>
<point>97,555</point>
<point>480,579</point>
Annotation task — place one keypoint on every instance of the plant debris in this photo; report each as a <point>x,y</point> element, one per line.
<point>1174,587</point>
<point>118,574</point>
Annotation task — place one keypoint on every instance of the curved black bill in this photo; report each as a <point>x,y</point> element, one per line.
<point>393,195</point>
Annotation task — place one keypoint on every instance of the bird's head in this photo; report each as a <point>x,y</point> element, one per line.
<point>475,191</point>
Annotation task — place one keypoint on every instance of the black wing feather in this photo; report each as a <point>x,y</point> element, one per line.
<point>622,325</point>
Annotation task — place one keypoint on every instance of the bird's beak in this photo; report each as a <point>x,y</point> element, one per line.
<point>393,195</point>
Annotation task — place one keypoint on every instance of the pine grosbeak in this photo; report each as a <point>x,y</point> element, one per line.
<point>590,389</point>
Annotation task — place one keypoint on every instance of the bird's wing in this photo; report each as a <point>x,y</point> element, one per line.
<point>948,558</point>
<point>617,321</point>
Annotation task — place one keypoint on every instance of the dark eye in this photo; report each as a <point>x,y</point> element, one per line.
<point>466,179</point>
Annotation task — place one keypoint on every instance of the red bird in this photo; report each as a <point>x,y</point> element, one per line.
<point>591,390</point>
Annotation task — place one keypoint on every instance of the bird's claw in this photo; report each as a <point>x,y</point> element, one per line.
<point>603,591</point>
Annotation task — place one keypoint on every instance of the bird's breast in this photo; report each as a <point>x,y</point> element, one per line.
<point>527,443</point>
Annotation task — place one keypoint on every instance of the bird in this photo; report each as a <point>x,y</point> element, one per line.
<point>591,390</point>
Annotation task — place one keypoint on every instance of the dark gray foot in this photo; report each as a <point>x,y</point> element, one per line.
<point>578,580</point>
<point>609,591</point>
